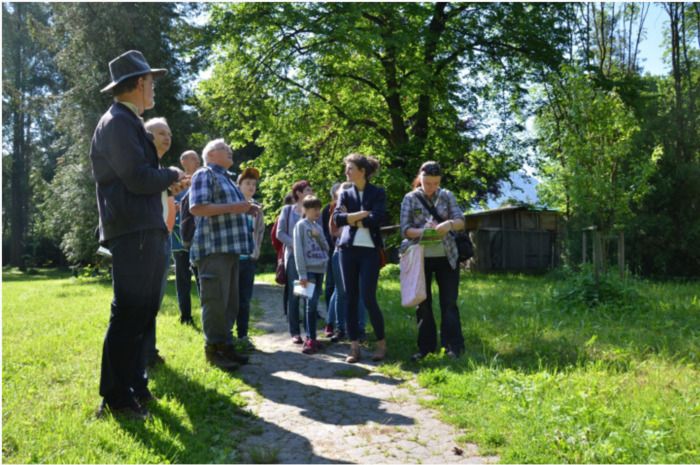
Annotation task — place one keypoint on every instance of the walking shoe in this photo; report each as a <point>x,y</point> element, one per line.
<point>215,354</point>
<point>328,330</point>
<point>231,354</point>
<point>132,410</point>
<point>338,336</point>
<point>309,347</point>
<point>297,339</point>
<point>380,353</point>
<point>155,360</point>
<point>354,355</point>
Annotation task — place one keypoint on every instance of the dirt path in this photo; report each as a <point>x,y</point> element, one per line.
<point>319,409</point>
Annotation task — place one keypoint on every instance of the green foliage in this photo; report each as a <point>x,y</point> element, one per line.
<point>311,82</point>
<point>586,136</point>
<point>610,293</point>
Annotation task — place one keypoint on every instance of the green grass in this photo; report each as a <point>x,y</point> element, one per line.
<point>543,382</point>
<point>53,327</point>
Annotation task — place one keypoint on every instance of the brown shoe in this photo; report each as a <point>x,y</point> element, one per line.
<point>354,355</point>
<point>231,354</point>
<point>380,353</point>
<point>216,355</point>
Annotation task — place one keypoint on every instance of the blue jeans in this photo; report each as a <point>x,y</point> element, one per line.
<point>246,279</point>
<point>360,270</point>
<point>137,271</point>
<point>293,304</point>
<point>337,308</point>
<point>312,305</point>
<point>150,349</point>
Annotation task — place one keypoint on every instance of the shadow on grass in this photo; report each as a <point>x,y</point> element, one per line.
<point>218,424</point>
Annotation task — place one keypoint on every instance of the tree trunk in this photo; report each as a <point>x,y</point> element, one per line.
<point>17,183</point>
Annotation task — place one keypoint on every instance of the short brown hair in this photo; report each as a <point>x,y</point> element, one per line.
<point>311,201</point>
<point>298,189</point>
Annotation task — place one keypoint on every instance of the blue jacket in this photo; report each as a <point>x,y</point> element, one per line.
<point>125,168</point>
<point>374,201</point>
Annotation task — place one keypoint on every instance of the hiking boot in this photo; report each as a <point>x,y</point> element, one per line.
<point>297,339</point>
<point>231,354</point>
<point>309,347</point>
<point>328,330</point>
<point>216,355</point>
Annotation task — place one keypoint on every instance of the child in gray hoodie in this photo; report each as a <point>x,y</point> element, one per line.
<point>310,257</point>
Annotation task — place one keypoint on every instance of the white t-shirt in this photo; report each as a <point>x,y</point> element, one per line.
<point>362,237</point>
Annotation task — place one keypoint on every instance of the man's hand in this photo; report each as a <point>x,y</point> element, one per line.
<point>254,209</point>
<point>303,282</point>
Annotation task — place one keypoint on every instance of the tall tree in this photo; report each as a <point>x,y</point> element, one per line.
<point>311,81</point>
<point>29,77</point>
<point>87,37</point>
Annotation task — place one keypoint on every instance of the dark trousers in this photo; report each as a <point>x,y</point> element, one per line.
<point>330,285</point>
<point>183,282</point>
<point>246,280</point>
<point>138,262</point>
<point>450,326</point>
<point>359,267</point>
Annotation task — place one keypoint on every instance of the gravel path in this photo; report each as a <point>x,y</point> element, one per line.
<point>319,409</point>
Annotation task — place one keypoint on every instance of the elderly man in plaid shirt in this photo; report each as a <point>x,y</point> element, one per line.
<point>222,234</point>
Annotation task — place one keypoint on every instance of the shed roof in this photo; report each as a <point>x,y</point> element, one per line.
<point>510,208</point>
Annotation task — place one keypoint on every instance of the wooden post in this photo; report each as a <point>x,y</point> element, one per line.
<point>621,254</point>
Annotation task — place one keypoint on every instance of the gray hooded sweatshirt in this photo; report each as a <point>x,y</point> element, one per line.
<point>310,253</point>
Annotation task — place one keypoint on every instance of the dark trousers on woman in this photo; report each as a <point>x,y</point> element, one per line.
<point>183,283</point>
<point>138,264</point>
<point>450,326</point>
<point>359,267</point>
<point>246,282</point>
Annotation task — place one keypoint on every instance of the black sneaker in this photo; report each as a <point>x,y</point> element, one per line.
<point>215,354</point>
<point>132,410</point>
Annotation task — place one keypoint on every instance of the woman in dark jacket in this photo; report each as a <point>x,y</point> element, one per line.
<point>363,208</point>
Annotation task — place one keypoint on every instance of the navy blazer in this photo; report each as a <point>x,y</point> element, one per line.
<point>373,201</point>
<point>129,182</point>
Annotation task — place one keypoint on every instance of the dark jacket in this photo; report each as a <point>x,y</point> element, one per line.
<point>374,201</point>
<point>129,182</point>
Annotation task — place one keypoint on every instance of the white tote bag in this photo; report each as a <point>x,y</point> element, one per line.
<point>412,276</point>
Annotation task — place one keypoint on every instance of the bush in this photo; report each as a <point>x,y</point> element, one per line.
<point>609,293</point>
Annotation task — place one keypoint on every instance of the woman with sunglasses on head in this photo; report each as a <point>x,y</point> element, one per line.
<point>429,214</point>
<point>363,208</point>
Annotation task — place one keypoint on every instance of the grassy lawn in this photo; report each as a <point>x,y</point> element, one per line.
<point>541,381</point>
<point>53,327</point>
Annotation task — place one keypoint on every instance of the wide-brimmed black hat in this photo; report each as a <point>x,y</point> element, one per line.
<point>130,64</point>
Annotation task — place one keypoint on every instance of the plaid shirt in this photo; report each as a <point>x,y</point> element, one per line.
<point>226,233</point>
<point>415,215</point>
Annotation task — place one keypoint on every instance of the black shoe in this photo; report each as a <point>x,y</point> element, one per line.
<point>338,336</point>
<point>231,354</point>
<point>187,321</point>
<point>132,410</point>
<point>215,355</point>
<point>155,360</point>
<point>145,398</point>
<point>418,356</point>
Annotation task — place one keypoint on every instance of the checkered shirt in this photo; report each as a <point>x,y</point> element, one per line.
<point>226,233</point>
<point>415,215</point>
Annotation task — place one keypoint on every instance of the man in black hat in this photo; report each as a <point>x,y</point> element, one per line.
<point>129,185</point>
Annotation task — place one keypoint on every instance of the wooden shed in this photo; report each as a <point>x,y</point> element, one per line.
<point>517,238</point>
